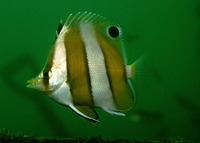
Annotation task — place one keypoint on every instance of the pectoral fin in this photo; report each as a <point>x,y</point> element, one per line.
<point>86,112</point>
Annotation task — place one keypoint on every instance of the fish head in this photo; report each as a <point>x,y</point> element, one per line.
<point>47,81</point>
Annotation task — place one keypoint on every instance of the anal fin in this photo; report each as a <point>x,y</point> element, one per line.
<point>86,112</point>
<point>115,113</point>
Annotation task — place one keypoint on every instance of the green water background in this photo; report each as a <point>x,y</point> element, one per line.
<point>167,30</point>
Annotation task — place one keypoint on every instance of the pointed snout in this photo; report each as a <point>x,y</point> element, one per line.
<point>33,82</point>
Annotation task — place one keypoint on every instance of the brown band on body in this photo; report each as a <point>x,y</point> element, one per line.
<point>78,77</point>
<point>116,71</point>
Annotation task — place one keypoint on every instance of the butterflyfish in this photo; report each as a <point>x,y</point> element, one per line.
<point>86,67</point>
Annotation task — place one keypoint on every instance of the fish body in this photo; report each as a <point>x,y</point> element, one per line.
<point>86,67</point>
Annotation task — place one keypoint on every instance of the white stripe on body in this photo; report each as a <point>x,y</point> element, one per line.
<point>60,55</point>
<point>99,80</point>
<point>61,95</point>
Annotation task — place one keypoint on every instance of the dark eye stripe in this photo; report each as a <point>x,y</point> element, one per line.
<point>45,82</point>
<point>49,64</point>
<point>45,74</point>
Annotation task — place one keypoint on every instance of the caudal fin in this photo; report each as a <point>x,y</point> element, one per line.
<point>133,70</point>
<point>140,69</point>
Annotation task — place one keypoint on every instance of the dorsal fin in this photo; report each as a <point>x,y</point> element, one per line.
<point>85,17</point>
<point>96,20</point>
<point>60,25</point>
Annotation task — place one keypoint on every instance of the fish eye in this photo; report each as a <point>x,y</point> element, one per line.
<point>113,31</point>
<point>46,74</point>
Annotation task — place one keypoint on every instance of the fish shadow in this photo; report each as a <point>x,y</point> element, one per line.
<point>192,109</point>
<point>9,74</point>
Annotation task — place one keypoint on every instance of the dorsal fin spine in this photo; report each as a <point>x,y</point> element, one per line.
<point>86,17</point>
<point>100,19</point>
<point>82,15</point>
<point>67,20</point>
<point>90,19</point>
<point>72,20</point>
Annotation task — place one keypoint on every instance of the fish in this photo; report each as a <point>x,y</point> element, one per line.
<point>87,67</point>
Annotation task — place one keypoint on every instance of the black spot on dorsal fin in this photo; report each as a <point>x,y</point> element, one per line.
<point>60,25</point>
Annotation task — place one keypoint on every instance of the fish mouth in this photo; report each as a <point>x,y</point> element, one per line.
<point>33,82</point>
<point>36,83</point>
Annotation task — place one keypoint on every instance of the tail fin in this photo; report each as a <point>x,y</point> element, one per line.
<point>133,70</point>
<point>140,69</point>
